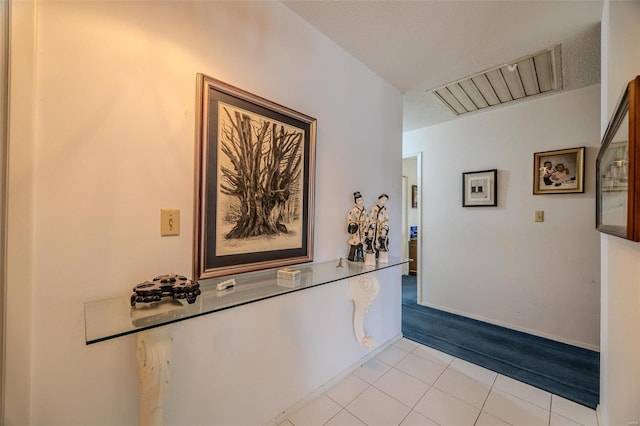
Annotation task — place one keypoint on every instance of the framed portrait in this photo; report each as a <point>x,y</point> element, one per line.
<point>558,172</point>
<point>414,196</point>
<point>480,189</point>
<point>255,167</point>
<point>617,174</point>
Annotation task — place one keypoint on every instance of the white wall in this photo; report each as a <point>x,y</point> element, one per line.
<point>620,337</point>
<point>20,214</point>
<point>495,263</point>
<point>114,143</point>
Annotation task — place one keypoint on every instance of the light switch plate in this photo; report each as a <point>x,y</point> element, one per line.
<point>539,215</point>
<point>169,222</point>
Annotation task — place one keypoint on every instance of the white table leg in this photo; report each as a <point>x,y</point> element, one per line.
<point>154,362</point>
<point>363,290</point>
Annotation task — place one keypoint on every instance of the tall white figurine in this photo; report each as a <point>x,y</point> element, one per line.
<point>378,230</point>
<point>357,227</point>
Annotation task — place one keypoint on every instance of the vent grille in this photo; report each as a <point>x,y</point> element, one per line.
<point>524,77</point>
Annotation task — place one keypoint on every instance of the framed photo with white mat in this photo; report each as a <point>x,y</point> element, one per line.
<point>480,189</point>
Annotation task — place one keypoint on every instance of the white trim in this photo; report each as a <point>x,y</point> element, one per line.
<point>405,221</point>
<point>284,414</point>
<point>515,327</point>
<point>4,119</point>
<point>418,157</point>
<point>18,355</point>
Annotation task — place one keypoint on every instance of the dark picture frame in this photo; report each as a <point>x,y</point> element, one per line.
<point>617,174</point>
<point>255,174</point>
<point>558,172</point>
<point>414,196</point>
<point>480,189</point>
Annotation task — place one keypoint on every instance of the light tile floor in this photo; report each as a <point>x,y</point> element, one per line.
<point>409,384</point>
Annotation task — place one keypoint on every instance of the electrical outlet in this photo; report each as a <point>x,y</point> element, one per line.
<point>539,215</point>
<point>169,222</point>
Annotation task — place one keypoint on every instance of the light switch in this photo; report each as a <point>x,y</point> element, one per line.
<point>169,222</point>
<point>539,215</point>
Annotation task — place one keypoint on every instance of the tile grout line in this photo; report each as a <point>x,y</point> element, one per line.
<point>354,414</point>
<point>495,379</point>
<point>372,385</point>
<point>430,385</point>
<point>453,396</point>
<point>395,399</point>
<point>433,385</point>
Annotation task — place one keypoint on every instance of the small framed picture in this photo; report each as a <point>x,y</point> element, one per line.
<point>480,189</point>
<point>414,196</point>
<point>558,172</point>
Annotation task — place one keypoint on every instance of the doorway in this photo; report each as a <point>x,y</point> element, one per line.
<point>411,225</point>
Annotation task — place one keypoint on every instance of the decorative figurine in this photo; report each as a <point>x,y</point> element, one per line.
<point>378,231</point>
<point>356,227</point>
<point>171,285</point>
<point>382,245</point>
<point>369,244</point>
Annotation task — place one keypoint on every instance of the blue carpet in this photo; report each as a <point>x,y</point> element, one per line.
<point>568,371</point>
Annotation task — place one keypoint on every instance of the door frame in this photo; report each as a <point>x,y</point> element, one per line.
<point>419,274</point>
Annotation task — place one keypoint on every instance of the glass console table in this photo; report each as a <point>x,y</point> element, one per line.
<point>110,318</point>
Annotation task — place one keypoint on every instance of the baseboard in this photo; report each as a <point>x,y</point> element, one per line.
<point>284,414</point>
<point>515,327</point>
<point>599,415</point>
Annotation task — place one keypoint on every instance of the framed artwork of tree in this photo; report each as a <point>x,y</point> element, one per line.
<point>255,169</point>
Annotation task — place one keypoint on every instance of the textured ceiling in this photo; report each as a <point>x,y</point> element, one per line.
<point>420,45</point>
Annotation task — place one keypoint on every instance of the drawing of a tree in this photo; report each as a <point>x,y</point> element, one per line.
<point>263,173</point>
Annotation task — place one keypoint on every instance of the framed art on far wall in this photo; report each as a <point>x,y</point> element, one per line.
<point>617,173</point>
<point>558,172</point>
<point>255,167</point>
<point>414,196</point>
<point>480,189</point>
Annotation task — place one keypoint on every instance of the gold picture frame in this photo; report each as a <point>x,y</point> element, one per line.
<point>558,172</point>
<point>255,173</point>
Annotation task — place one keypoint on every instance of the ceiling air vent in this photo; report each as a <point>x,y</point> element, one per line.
<point>522,78</point>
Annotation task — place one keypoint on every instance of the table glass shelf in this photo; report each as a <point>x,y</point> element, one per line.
<point>110,318</point>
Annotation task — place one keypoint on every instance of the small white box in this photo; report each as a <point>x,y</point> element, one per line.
<point>288,283</point>
<point>288,274</point>
<point>223,285</point>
